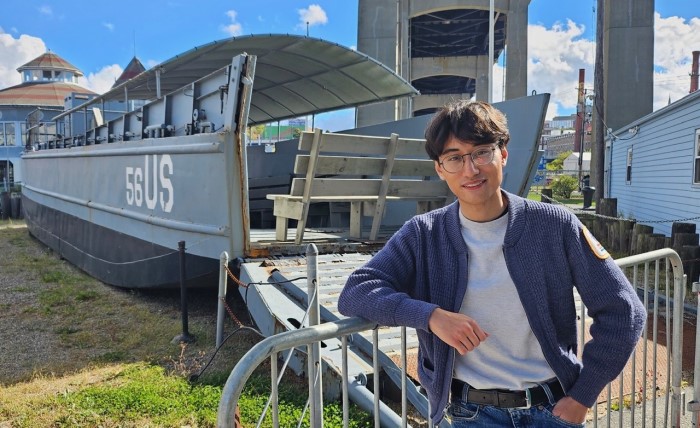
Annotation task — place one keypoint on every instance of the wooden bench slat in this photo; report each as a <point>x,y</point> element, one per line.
<point>362,144</point>
<point>362,171</point>
<point>370,187</point>
<point>347,165</point>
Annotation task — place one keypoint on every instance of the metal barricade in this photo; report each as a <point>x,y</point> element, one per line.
<point>640,399</point>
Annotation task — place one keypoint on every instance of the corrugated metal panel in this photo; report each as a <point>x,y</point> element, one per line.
<point>294,76</point>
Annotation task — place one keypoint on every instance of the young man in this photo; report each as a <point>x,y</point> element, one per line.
<point>488,282</point>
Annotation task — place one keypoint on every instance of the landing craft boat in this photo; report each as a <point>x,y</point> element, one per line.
<point>162,158</point>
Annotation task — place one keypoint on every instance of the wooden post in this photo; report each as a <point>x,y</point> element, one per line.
<point>384,187</point>
<point>625,235</point>
<point>639,229</point>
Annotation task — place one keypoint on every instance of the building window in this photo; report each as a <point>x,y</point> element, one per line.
<point>696,173</point>
<point>7,134</point>
<point>628,171</point>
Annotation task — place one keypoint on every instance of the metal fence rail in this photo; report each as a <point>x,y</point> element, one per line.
<point>647,393</point>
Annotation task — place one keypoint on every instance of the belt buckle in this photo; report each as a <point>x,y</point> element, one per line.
<point>528,400</point>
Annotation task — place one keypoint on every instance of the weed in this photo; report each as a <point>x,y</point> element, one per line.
<point>112,357</point>
<point>66,330</point>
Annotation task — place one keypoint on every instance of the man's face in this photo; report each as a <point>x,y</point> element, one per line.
<point>477,187</point>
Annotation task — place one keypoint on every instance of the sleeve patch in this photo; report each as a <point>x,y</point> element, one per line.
<point>596,247</point>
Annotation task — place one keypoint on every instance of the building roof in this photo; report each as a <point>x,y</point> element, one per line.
<point>50,61</point>
<point>133,69</point>
<point>574,155</point>
<point>39,93</point>
<point>294,76</point>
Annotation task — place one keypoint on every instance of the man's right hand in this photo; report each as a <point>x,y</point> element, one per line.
<point>457,330</point>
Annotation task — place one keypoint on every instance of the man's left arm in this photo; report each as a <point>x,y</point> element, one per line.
<point>618,317</point>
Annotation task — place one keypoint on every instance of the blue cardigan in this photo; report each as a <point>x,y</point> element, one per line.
<point>424,266</point>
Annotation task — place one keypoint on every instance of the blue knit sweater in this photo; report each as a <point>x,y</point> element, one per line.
<point>424,266</point>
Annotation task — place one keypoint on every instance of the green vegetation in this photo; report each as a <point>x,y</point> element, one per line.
<point>102,356</point>
<point>563,186</point>
<point>140,394</point>
<point>558,163</point>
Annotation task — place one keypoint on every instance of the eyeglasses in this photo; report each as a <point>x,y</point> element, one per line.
<point>481,156</point>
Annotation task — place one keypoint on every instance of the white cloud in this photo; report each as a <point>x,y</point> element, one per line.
<point>108,25</point>
<point>674,40</point>
<point>15,52</point>
<point>45,10</point>
<point>313,15</point>
<point>555,56</point>
<point>234,28</point>
<point>102,80</point>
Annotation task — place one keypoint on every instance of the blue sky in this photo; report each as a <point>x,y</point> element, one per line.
<point>101,37</point>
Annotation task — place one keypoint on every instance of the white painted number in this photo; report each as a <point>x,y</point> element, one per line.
<point>151,183</point>
<point>129,185</point>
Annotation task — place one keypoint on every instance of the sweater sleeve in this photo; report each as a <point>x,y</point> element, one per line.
<point>384,289</point>
<point>612,302</point>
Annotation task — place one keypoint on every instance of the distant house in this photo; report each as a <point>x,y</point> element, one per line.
<point>653,165</point>
<point>47,81</point>
<point>571,162</point>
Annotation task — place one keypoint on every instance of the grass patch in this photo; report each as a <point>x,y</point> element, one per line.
<point>139,394</point>
<point>102,356</point>
<point>575,199</point>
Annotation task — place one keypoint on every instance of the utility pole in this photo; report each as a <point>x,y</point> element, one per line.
<point>580,115</point>
<point>598,148</point>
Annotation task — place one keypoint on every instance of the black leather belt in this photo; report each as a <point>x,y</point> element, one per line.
<point>507,399</point>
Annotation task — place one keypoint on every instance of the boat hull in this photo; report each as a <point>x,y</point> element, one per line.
<point>114,257</point>
<point>118,211</point>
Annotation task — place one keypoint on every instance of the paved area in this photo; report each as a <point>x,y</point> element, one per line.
<point>636,417</point>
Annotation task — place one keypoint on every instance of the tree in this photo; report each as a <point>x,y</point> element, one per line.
<point>563,185</point>
<point>256,131</point>
<point>558,163</point>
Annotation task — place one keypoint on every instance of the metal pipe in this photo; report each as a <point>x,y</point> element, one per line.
<point>404,365</point>
<point>492,29</point>
<point>314,348</point>
<point>694,406</point>
<point>375,376</point>
<point>365,400</point>
<point>344,380</point>
<point>282,341</point>
<point>676,402</point>
<point>694,72</point>
<point>223,283</point>
<point>158,71</point>
<point>275,392</point>
<point>185,336</point>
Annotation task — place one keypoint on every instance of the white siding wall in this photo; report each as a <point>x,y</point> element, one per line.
<point>661,186</point>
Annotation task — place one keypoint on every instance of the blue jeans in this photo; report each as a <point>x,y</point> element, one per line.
<point>468,415</point>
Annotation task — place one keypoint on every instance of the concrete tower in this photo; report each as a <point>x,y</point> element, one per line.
<point>441,47</point>
<point>628,61</point>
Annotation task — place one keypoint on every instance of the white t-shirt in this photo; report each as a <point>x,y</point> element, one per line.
<point>511,357</point>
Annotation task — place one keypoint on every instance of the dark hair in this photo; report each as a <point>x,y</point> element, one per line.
<point>476,122</point>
